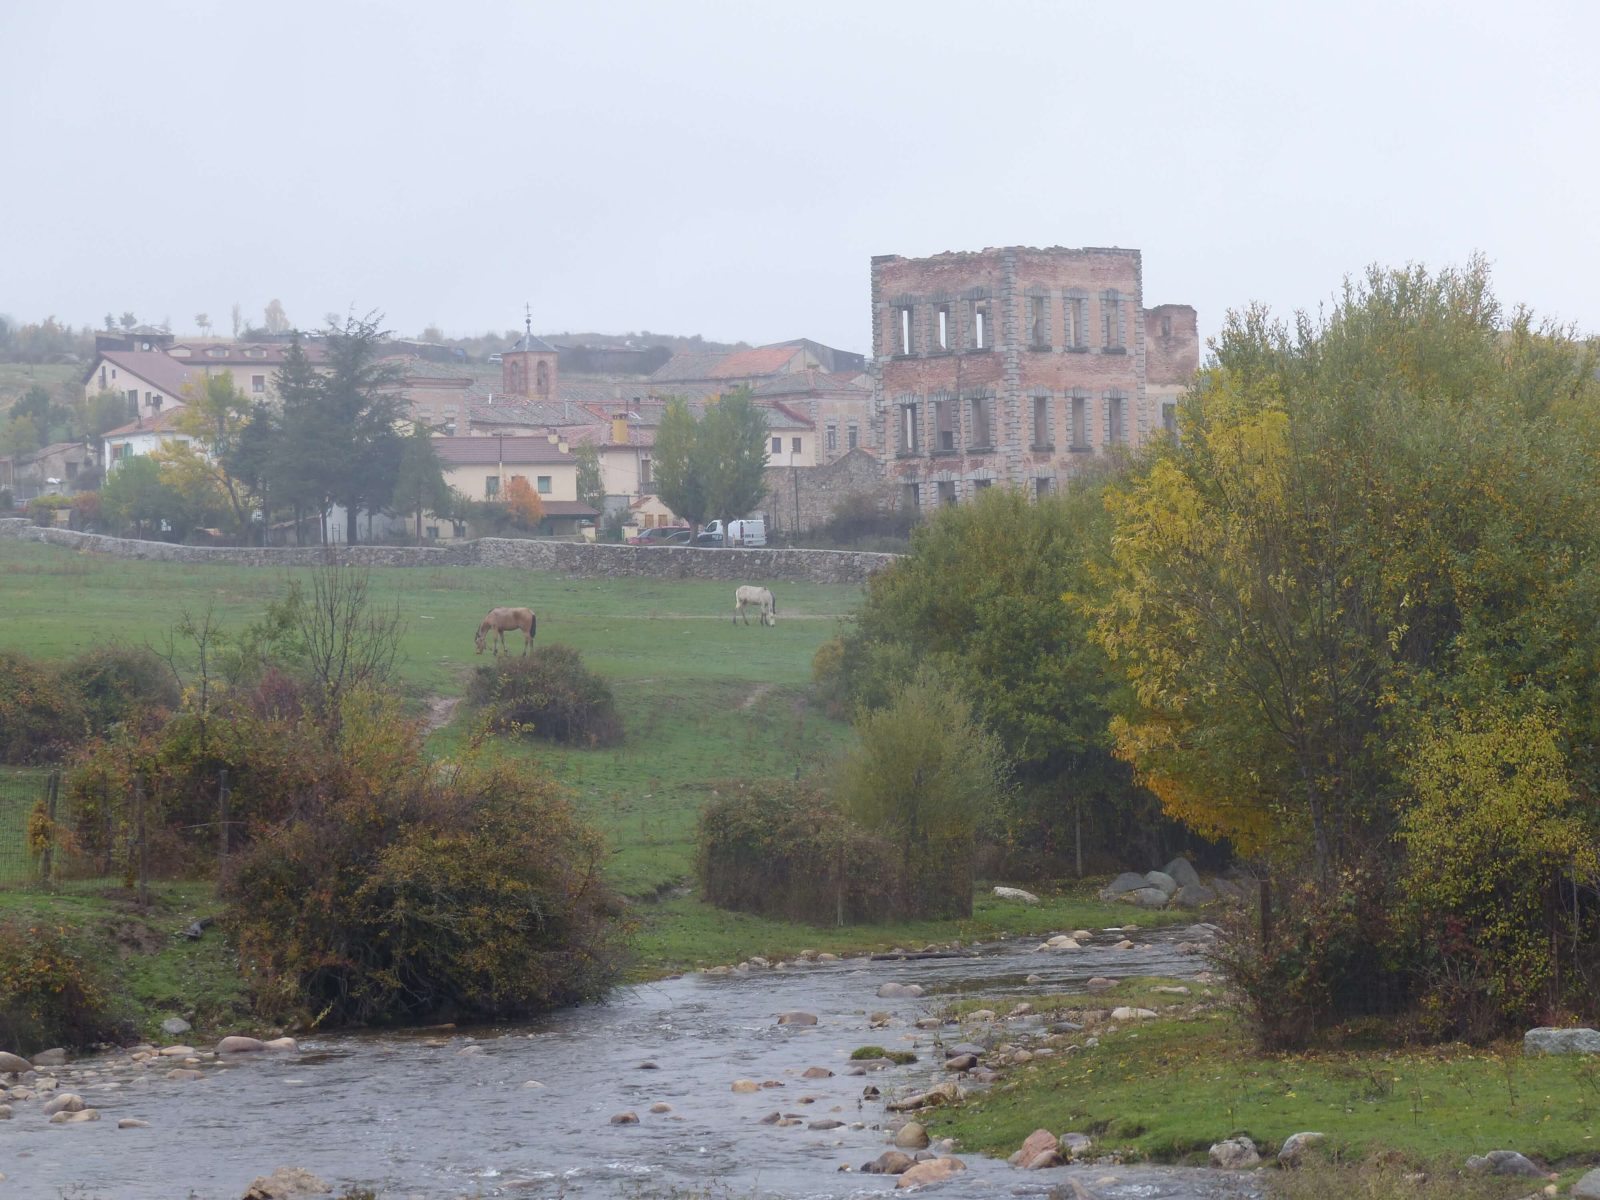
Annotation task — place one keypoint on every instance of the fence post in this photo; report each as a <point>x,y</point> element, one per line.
<point>222,806</point>
<point>51,791</point>
<point>111,826</point>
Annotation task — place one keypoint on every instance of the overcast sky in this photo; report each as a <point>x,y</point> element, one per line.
<point>728,169</point>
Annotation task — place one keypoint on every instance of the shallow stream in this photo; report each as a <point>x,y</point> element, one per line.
<point>448,1114</point>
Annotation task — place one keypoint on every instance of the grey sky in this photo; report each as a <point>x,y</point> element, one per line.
<point>728,169</point>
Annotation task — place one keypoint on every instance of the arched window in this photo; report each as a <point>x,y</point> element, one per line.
<point>542,374</point>
<point>518,384</point>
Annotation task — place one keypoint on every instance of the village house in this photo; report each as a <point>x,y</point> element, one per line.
<point>154,379</point>
<point>1016,365</point>
<point>143,436</point>
<point>55,469</point>
<point>481,468</point>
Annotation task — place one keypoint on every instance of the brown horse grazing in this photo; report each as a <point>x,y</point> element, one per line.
<point>499,621</point>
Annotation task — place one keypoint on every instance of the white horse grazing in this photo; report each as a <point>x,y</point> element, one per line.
<point>760,598</point>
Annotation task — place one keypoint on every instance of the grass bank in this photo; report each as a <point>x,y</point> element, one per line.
<point>149,968</point>
<point>682,933</point>
<point>1166,1089</point>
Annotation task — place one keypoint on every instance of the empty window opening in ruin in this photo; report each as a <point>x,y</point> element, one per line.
<point>851,436</point>
<point>909,441</point>
<point>833,438</point>
<point>1115,425</point>
<point>1080,422</point>
<point>1169,418</point>
<point>944,431</point>
<point>979,485</point>
<point>947,491</point>
<point>980,325</point>
<point>903,328</point>
<point>1075,321</point>
<point>1166,325</point>
<point>1041,422</point>
<point>982,425</point>
<point>913,497</point>
<point>1041,487</point>
<point>941,327</point>
<point>1038,323</point>
<point>1111,320</point>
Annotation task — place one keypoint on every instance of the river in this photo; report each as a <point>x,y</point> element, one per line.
<point>449,1114</point>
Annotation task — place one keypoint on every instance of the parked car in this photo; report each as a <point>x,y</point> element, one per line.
<point>656,536</point>
<point>707,537</point>
<point>680,537</point>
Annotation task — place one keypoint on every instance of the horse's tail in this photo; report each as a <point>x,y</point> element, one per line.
<point>774,604</point>
<point>533,623</point>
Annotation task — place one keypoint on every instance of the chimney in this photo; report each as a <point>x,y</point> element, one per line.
<point>619,431</point>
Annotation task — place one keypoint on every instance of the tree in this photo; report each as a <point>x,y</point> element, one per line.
<point>275,319</point>
<point>103,411</point>
<point>1374,515</point>
<point>987,597</point>
<point>926,776</point>
<point>20,435</point>
<point>128,320</point>
<point>522,504</point>
<point>203,322</point>
<point>214,414</point>
<point>419,485</point>
<point>237,316</point>
<point>713,465</point>
<point>335,440</point>
<point>136,495</point>
<point>591,484</point>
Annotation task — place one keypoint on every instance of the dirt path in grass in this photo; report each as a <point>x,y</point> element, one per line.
<point>441,710</point>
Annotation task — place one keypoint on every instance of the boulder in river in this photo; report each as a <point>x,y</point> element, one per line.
<point>911,1136</point>
<point>63,1102</point>
<point>797,1018</point>
<point>660,1106</point>
<point>238,1044</point>
<point>11,1064</point>
<point>286,1183</point>
<point>282,1044</point>
<point>132,1123</point>
<point>890,1162</point>
<point>75,1118</point>
<point>625,1118</point>
<point>816,1073</point>
<point>56,1057</point>
<point>745,1087</point>
<point>1035,1144</point>
<point>961,1062</point>
<point>934,1171</point>
<point>899,991</point>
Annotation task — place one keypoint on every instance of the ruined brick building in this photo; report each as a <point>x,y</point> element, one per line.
<point>1017,365</point>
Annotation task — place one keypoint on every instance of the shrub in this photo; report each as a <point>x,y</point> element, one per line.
<point>39,718</point>
<point>549,694</point>
<point>113,683</point>
<point>475,895</point>
<point>782,850</point>
<point>49,996</point>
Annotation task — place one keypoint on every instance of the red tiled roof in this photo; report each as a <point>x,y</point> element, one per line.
<point>486,451</point>
<point>164,421</point>
<point>763,360</point>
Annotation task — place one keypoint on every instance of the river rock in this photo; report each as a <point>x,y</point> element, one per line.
<point>816,1073</point>
<point>745,1087</point>
<point>1125,1013</point>
<point>1011,893</point>
<point>75,1118</point>
<point>1126,882</point>
<point>827,956</point>
<point>10,1064</point>
<point>660,1106</point>
<point>911,1136</point>
<point>1193,895</point>
<point>1179,990</point>
<point>1234,1154</point>
<point>175,1026</point>
<point>286,1183</point>
<point>1181,872</point>
<point>961,1048</point>
<point>1226,889</point>
<point>188,1073</point>
<point>1295,1146</point>
<point>890,1162</point>
<point>282,1044</point>
<point>176,1052</point>
<point>1100,983</point>
<point>5,1112</point>
<point>625,1118</point>
<point>1043,1162</point>
<point>961,1062</point>
<point>1062,942</point>
<point>826,1123</point>
<point>1147,897</point>
<point>238,1044</point>
<point>1075,1143</point>
<point>934,1171</point>
<point>1035,1144</point>
<point>50,1058</point>
<point>1546,1040</point>
<point>899,991</point>
<point>797,1018</point>
<point>1072,1189</point>
<point>1587,1188</point>
<point>63,1102</point>
<point>1503,1162</point>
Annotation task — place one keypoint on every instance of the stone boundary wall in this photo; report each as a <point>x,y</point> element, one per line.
<point>579,559</point>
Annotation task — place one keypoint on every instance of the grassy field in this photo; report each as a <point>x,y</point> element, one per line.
<point>1166,1089</point>
<point>17,378</point>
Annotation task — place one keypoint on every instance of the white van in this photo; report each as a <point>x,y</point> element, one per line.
<point>750,532</point>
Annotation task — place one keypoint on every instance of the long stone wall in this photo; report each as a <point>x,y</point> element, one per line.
<point>567,558</point>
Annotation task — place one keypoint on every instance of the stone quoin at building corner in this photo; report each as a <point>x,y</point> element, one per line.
<point>1018,365</point>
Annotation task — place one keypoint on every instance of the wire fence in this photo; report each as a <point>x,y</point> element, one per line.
<point>104,828</point>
